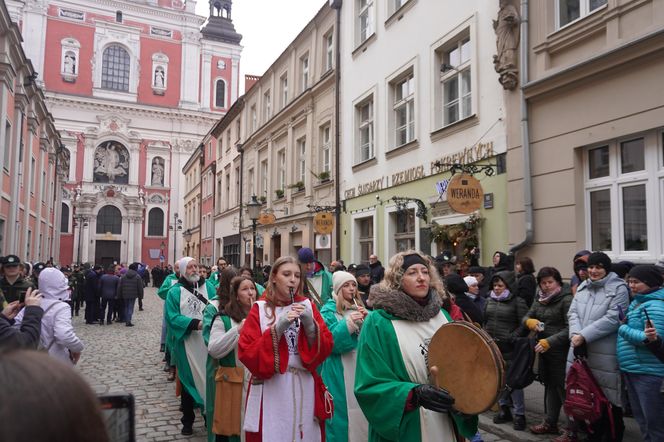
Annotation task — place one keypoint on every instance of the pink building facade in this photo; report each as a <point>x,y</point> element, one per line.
<point>133,87</point>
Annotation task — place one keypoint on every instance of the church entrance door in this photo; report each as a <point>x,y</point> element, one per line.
<point>107,252</point>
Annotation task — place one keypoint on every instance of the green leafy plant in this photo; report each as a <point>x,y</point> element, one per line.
<point>324,176</point>
<point>262,199</point>
<point>299,186</point>
<point>279,193</point>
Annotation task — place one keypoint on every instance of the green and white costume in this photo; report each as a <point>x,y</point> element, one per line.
<point>392,360</point>
<point>338,373</point>
<point>182,307</point>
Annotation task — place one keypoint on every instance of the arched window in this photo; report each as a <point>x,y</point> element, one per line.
<point>156,222</point>
<point>220,94</point>
<point>109,219</point>
<point>115,68</point>
<point>64,219</point>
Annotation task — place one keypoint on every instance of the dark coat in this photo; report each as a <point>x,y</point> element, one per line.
<point>556,332</point>
<point>469,307</point>
<point>502,320</point>
<point>377,272</point>
<point>109,285</point>
<point>91,285</point>
<point>130,286</point>
<point>526,286</point>
<point>25,337</point>
<point>657,347</point>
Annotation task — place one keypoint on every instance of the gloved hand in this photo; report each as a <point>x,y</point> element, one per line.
<point>432,398</point>
<point>532,324</point>
<point>307,319</point>
<point>282,324</point>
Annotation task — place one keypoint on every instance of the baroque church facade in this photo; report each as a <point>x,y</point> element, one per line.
<point>133,86</point>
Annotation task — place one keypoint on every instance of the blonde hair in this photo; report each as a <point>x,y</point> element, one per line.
<point>268,294</point>
<point>342,304</point>
<point>394,273</point>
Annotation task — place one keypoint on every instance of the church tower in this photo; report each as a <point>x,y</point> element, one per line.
<point>220,26</point>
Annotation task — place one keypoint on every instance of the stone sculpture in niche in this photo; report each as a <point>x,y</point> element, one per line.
<point>70,63</point>
<point>111,163</point>
<point>157,172</point>
<point>507,44</point>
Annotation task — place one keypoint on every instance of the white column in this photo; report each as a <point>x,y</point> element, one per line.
<point>87,249</point>
<point>235,78</point>
<point>206,79</point>
<point>189,83</point>
<point>130,239</point>
<point>88,159</point>
<point>138,239</point>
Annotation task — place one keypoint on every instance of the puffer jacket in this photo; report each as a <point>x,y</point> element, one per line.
<point>556,332</point>
<point>130,286</point>
<point>633,355</point>
<point>594,315</point>
<point>502,320</point>
<point>57,331</point>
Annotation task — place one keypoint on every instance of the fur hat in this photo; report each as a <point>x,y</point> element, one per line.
<point>600,259</point>
<point>340,278</point>
<point>647,274</point>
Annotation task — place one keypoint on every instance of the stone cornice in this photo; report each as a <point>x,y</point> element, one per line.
<point>75,102</point>
<point>180,17</point>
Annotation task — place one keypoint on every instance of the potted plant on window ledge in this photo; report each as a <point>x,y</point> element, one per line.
<point>262,199</point>
<point>324,176</point>
<point>299,186</point>
<point>279,193</point>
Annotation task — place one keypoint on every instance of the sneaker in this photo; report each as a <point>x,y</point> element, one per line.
<point>544,428</point>
<point>567,436</point>
<point>187,431</point>
<point>519,422</point>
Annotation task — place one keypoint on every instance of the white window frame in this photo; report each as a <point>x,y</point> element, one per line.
<point>267,106</point>
<point>364,20</point>
<point>301,152</point>
<point>281,169</point>
<point>264,177</point>
<point>397,104</point>
<point>652,176</point>
<point>214,93</point>
<point>584,11</point>
<point>254,118</point>
<point>329,50</point>
<point>106,34</point>
<point>361,125</point>
<point>326,147</point>
<point>355,234</point>
<point>390,228</point>
<point>304,69</point>
<point>283,82</point>
<point>159,61</point>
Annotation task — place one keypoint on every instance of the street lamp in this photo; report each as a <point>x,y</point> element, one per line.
<point>187,237</point>
<point>254,212</point>
<point>175,226</point>
<point>82,221</point>
<point>162,247</point>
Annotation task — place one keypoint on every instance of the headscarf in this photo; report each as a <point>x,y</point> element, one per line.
<point>184,262</point>
<point>53,284</point>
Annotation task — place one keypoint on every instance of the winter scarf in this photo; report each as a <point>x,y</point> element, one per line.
<point>401,305</point>
<point>500,298</point>
<point>545,298</point>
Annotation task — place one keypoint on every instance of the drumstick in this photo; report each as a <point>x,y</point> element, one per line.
<point>434,374</point>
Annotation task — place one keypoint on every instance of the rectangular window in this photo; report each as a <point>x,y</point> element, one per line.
<point>304,66</point>
<point>217,200</point>
<point>8,146</point>
<point>365,130</point>
<point>571,10</point>
<point>227,197</point>
<point>625,186</point>
<point>33,166</point>
<point>252,189</point>
<point>267,106</point>
<point>325,155</point>
<point>281,172</point>
<point>403,91</point>
<point>228,140</point>
<point>237,185</point>
<point>238,128</point>
<point>301,159</point>
<point>264,172</point>
<point>254,119</point>
<point>366,238</point>
<point>42,190</point>
<point>404,236</point>
<point>329,51</point>
<point>455,79</point>
<point>284,90</point>
<point>364,20</point>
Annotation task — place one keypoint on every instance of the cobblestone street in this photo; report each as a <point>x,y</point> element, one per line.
<point>119,358</point>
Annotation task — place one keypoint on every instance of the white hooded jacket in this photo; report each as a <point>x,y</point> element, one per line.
<point>57,331</point>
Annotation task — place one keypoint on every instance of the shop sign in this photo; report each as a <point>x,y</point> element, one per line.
<point>323,223</point>
<point>266,219</point>
<point>465,194</point>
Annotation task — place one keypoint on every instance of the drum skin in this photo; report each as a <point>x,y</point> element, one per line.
<point>469,366</point>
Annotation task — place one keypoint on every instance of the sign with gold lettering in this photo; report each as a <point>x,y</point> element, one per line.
<point>266,219</point>
<point>465,194</point>
<point>323,223</point>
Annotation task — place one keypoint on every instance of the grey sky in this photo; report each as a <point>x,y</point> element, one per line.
<point>267,27</point>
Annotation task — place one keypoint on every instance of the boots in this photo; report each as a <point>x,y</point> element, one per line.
<point>504,415</point>
<point>519,422</point>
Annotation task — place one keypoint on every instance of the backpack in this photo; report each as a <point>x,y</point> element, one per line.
<point>520,372</point>
<point>584,399</point>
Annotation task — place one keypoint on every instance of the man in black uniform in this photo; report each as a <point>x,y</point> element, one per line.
<point>12,285</point>
<point>36,270</point>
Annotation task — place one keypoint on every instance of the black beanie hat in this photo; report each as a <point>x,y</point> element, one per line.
<point>600,259</point>
<point>647,274</point>
<point>455,284</point>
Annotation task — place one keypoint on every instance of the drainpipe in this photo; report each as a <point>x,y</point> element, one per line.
<point>240,149</point>
<point>337,99</point>
<point>201,163</point>
<point>525,133</point>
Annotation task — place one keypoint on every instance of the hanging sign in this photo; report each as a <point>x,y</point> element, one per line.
<point>465,194</point>
<point>266,219</point>
<point>324,223</point>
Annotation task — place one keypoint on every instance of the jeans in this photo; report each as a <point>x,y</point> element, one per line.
<point>516,400</point>
<point>554,396</point>
<point>129,309</point>
<point>647,404</point>
<point>110,303</point>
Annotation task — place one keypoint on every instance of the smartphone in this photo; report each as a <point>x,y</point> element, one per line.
<point>648,321</point>
<point>21,296</point>
<point>118,410</point>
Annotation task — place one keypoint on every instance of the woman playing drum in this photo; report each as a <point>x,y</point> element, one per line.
<point>392,383</point>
